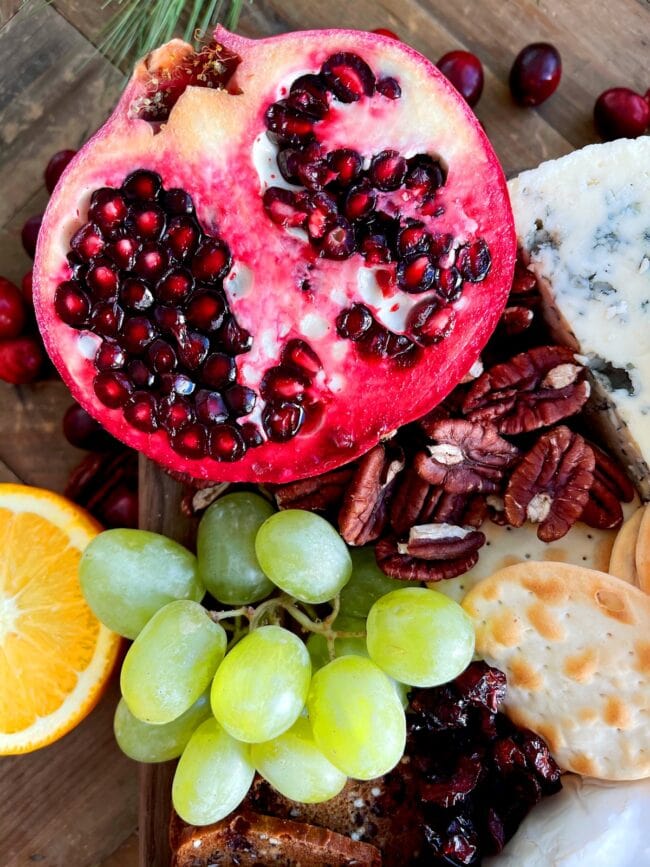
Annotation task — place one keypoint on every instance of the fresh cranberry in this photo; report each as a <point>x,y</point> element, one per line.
<point>465,71</point>
<point>12,310</point>
<point>535,74</point>
<point>21,360</point>
<point>29,234</point>
<point>120,509</point>
<point>621,113</point>
<point>55,167</point>
<point>26,286</point>
<point>383,31</point>
<point>81,430</point>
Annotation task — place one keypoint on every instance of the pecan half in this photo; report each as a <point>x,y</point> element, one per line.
<point>516,319</point>
<point>534,389</point>
<point>432,552</point>
<point>316,494</point>
<point>524,284</point>
<point>465,457</point>
<point>364,513</point>
<point>610,487</point>
<point>467,510</point>
<point>414,502</point>
<point>550,487</point>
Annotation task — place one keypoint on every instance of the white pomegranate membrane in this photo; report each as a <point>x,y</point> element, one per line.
<point>382,260</point>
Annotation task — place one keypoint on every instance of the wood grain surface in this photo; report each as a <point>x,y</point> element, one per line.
<point>75,803</point>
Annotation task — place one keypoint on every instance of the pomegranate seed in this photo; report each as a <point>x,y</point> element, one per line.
<point>323,214</point>
<point>338,242</point>
<point>136,295</point>
<point>288,164</point>
<point>241,400</point>
<point>102,279</point>
<point>211,261</point>
<point>354,323</point>
<point>193,348</point>
<point>110,356</point>
<point>151,262</point>
<point>182,237</point>
<point>233,337</point>
<point>87,242</point>
<point>12,310</point>
<point>621,113</point>
<point>283,383</point>
<point>141,412</point>
<point>175,286</point>
<point>383,31</point>
<point>399,346</point>
<point>346,164</point>
<point>146,221</point>
<point>282,421</point>
<point>71,303</point>
<point>309,96</point>
<point>21,360</point>
<point>387,170</point>
<point>285,207</point>
<point>416,273</point>
<point>107,208</point>
<point>29,234</point>
<point>139,374</point>
<point>161,356</point>
<point>55,168</point>
<point>429,323</point>
<point>312,169</point>
<point>177,202</point>
<point>81,430</point>
<point>27,288</point>
<point>375,250</point>
<point>413,238</point>
<point>535,74</point>
<point>106,319</point>
<point>120,509</point>
<point>348,77</point>
<point>449,284</point>
<point>174,414</point>
<point>142,185</point>
<point>465,71</point>
<point>474,261</point>
<point>360,201</point>
<point>251,434</point>
<point>137,334</point>
<point>113,388</point>
<point>288,126</point>
<point>301,355</point>
<point>206,311</point>
<point>176,383</point>
<point>170,319</point>
<point>210,407</point>
<point>389,87</point>
<point>218,370</point>
<point>123,252</point>
<point>425,175</point>
<point>226,443</point>
<point>191,441</point>
<point>441,245</point>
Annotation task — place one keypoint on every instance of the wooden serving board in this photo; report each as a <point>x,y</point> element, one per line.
<point>75,803</point>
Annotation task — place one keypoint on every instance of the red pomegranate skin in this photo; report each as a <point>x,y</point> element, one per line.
<point>21,360</point>
<point>12,310</point>
<point>214,146</point>
<point>465,71</point>
<point>535,74</point>
<point>621,113</point>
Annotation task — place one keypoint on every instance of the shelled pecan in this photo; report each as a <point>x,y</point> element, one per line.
<point>106,484</point>
<point>317,493</point>
<point>610,487</point>
<point>364,514</point>
<point>432,552</point>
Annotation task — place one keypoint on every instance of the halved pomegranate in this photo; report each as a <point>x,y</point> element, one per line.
<point>274,253</point>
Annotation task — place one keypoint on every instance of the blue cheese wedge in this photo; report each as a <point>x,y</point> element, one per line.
<point>583,223</point>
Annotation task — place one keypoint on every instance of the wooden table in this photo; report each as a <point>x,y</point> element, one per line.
<point>75,803</point>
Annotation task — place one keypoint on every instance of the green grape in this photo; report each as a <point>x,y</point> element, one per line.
<point>128,575</point>
<point>261,686</point>
<point>357,718</point>
<point>366,585</point>
<point>420,636</point>
<point>303,555</point>
<point>212,777</point>
<point>171,662</point>
<point>226,548</point>
<point>293,764</point>
<point>145,742</point>
<point>319,653</point>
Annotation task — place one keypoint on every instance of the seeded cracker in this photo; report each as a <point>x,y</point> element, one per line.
<point>575,646</point>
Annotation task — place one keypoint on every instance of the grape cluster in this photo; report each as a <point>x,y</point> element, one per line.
<point>236,691</point>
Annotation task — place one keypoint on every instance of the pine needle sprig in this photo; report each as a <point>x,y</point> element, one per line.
<point>139,26</point>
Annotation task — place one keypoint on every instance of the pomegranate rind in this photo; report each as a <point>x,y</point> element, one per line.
<point>210,131</point>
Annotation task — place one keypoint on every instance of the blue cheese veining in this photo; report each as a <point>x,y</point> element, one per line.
<point>583,222</point>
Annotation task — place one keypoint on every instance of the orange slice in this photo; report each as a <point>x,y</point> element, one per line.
<point>55,656</point>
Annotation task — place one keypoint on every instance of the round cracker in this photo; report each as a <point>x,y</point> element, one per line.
<point>622,563</point>
<point>642,552</point>
<point>575,646</point>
